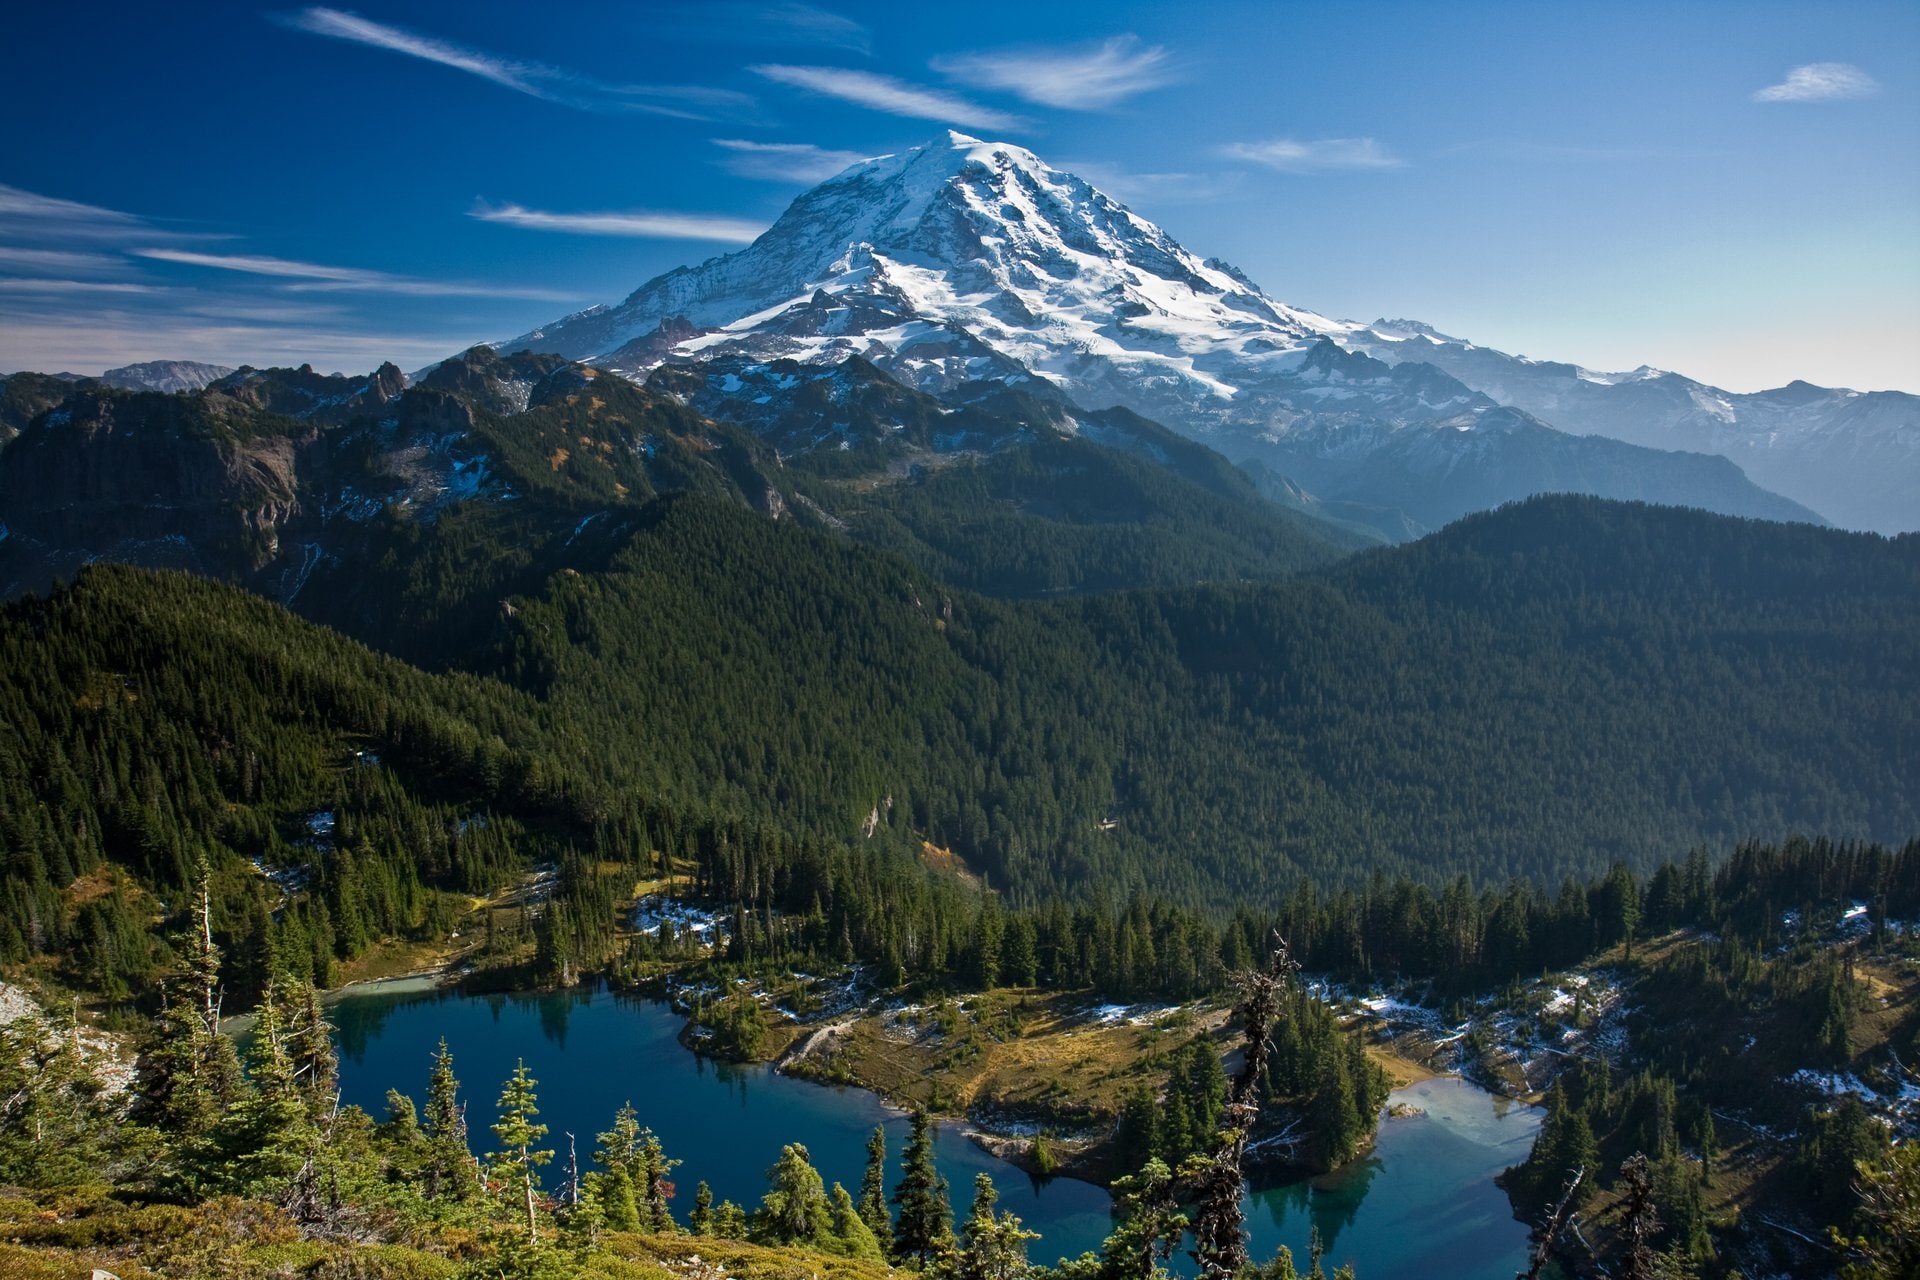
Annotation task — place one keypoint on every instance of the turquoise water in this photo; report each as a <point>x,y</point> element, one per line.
<point>1423,1204</point>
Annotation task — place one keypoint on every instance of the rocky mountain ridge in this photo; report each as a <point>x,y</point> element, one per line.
<point>961,263</point>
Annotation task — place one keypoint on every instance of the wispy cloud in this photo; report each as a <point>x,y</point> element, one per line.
<point>28,215</point>
<point>1081,78</point>
<point>1820,82</point>
<point>88,341</point>
<point>1290,155</point>
<point>16,203</point>
<point>783,161</point>
<point>24,285</point>
<point>21,259</point>
<point>318,277</point>
<point>1572,153</point>
<point>810,23</point>
<point>639,223</point>
<point>896,97</point>
<point>754,22</point>
<point>1153,188</point>
<point>536,79</point>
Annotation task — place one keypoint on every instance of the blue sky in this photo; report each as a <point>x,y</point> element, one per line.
<point>1729,190</point>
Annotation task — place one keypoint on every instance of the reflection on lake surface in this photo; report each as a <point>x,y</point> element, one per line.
<point>1423,1203</point>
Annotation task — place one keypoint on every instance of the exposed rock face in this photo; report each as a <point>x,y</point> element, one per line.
<point>313,397</point>
<point>962,263</point>
<point>164,375</point>
<point>202,480</point>
<point>277,477</point>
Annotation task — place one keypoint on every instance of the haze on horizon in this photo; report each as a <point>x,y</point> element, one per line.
<point>1726,191</point>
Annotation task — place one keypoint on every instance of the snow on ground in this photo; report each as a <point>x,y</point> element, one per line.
<point>1901,1109</point>
<point>709,927</point>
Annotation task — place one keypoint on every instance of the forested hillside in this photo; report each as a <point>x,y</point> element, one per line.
<point>1536,692</point>
<point>1540,691</point>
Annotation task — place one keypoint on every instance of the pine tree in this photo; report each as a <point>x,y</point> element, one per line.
<point>873,1191</point>
<point>923,1229</point>
<point>449,1165</point>
<point>1151,1225</point>
<point>795,1209</point>
<point>700,1221</point>
<point>518,1159</point>
<point>852,1237</point>
<point>654,1188</point>
<point>268,1136</point>
<point>316,1066</point>
<point>993,1246</point>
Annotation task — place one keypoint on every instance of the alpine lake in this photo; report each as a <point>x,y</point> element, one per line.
<point>1422,1202</point>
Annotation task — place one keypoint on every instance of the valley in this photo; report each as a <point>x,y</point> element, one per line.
<point>955,737</point>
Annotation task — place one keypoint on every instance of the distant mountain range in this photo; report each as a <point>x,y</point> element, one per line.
<point>961,263</point>
<point>1853,456</point>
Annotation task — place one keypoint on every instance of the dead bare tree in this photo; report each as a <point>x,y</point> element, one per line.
<point>1639,1222</point>
<point>1219,1226</point>
<point>1562,1215</point>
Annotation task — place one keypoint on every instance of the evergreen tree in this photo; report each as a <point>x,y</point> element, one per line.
<point>655,1188</point>
<point>873,1191</point>
<point>993,1246</point>
<point>700,1221</point>
<point>449,1171</point>
<point>923,1227</point>
<point>316,1066</point>
<point>852,1237</point>
<point>795,1209</point>
<point>518,1159</point>
<point>1151,1224</point>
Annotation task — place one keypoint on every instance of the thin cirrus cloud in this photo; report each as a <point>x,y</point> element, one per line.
<point>895,97</point>
<point>783,161</point>
<point>535,79</point>
<point>1155,189</point>
<point>19,258</point>
<point>638,223</point>
<point>28,215</point>
<point>748,22</point>
<point>1820,82</point>
<point>1084,78</point>
<point>318,277</point>
<point>16,284</point>
<point>1290,155</point>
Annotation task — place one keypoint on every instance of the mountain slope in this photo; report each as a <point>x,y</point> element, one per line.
<point>1852,456</point>
<point>962,262</point>
<point>1539,690</point>
<point>164,375</point>
<point>390,511</point>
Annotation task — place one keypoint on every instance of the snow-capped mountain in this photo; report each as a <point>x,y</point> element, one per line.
<point>964,262</point>
<point>1853,456</point>
<point>164,375</point>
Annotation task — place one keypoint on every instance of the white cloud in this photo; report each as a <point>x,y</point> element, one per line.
<point>93,341</point>
<point>552,84</point>
<point>1156,188</point>
<point>523,76</point>
<point>16,203</point>
<point>816,25</point>
<point>1292,156</point>
<point>638,223</point>
<point>896,97</point>
<point>20,285</point>
<point>1084,78</point>
<point>783,161</point>
<point>57,260</point>
<point>748,22</point>
<point>1820,82</point>
<point>257,266</point>
<point>316,277</point>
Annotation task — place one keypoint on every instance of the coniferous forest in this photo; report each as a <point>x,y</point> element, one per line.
<point>1115,747</point>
